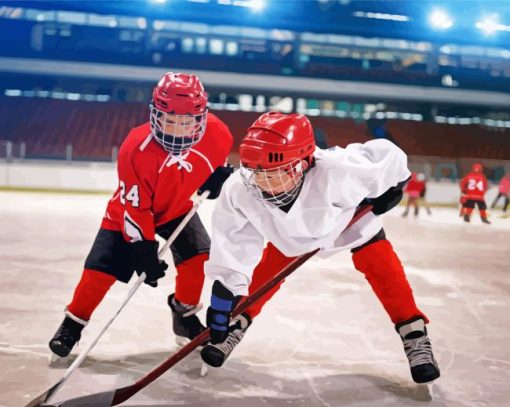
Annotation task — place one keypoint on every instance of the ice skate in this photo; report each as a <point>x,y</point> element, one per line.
<point>67,335</point>
<point>216,355</point>
<point>424,368</point>
<point>186,324</point>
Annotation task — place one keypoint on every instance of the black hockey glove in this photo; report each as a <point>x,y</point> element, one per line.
<point>215,181</point>
<point>388,200</point>
<point>145,259</point>
<point>223,303</point>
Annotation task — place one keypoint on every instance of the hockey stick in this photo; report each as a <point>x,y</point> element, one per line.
<point>47,395</point>
<point>117,396</point>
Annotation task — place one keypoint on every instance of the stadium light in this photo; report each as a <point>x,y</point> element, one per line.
<point>489,25</point>
<point>440,19</point>
<point>257,5</point>
<point>159,1</point>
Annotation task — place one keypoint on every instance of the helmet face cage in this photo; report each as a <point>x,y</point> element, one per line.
<point>290,177</point>
<point>191,130</point>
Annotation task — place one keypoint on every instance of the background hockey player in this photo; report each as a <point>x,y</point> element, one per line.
<point>503,192</point>
<point>300,198</point>
<point>415,190</point>
<point>161,164</point>
<point>473,188</point>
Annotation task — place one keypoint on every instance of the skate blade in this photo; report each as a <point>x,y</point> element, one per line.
<point>183,341</point>
<point>428,391</point>
<point>58,361</point>
<point>203,370</point>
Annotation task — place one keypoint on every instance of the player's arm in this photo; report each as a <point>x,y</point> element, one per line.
<point>381,172</point>
<point>236,248</point>
<point>222,170</point>
<point>136,197</point>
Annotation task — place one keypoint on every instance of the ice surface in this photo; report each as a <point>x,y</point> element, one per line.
<point>323,340</point>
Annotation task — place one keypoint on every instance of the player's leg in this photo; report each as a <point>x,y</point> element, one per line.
<point>408,204</point>
<point>494,203</point>
<point>272,262</point>
<point>109,259</point>
<point>469,205</point>
<point>416,204</point>
<point>482,207</point>
<point>190,251</point>
<point>507,201</point>
<point>385,274</point>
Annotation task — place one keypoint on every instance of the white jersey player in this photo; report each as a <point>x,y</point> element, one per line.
<point>300,198</point>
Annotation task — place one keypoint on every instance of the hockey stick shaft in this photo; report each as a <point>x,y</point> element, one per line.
<point>123,394</point>
<point>46,397</point>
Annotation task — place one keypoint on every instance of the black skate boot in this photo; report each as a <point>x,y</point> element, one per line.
<point>216,355</point>
<point>485,220</point>
<point>68,333</point>
<point>186,324</point>
<point>418,350</point>
<point>466,218</point>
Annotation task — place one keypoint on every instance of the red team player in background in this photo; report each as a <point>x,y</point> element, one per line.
<point>415,189</point>
<point>161,164</point>
<point>473,188</point>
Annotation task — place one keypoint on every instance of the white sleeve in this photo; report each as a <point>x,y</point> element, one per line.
<point>236,246</point>
<point>377,165</point>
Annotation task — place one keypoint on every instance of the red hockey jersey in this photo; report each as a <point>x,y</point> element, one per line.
<point>474,186</point>
<point>414,187</point>
<point>154,186</point>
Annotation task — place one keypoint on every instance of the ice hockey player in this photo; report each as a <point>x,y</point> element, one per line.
<point>414,190</point>
<point>504,192</point>
<point>181,149</point>
<point>300,198</point>
<point>473,188</point>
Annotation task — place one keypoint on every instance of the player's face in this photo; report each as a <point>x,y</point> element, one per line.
<point>177,125</point>
<point>278,181</point>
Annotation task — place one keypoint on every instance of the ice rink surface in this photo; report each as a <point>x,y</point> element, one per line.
<point>323,340</point>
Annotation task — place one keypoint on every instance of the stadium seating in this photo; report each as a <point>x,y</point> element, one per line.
<point>93,129</point>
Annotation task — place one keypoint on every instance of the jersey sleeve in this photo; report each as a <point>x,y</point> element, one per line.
<point>135,195</point>
<point>236,247</point>
<point>376,166</point>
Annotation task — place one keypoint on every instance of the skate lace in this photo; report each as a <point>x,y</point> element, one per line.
<point>233,339</point>
<point>418,351</point>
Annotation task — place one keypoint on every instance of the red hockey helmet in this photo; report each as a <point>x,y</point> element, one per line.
<point>477,167</point>
<point>178,112</point>
<point>272,153</point>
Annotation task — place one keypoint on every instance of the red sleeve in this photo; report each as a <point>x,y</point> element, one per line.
<point>463,184</point>
<point>136,187</point>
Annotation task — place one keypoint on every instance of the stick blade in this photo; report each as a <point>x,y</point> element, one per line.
<point>42,398</point>
<point>103,399</point>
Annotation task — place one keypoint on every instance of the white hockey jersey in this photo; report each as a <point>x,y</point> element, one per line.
<point>332,189</point>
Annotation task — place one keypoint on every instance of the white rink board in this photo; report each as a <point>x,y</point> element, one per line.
<point>80,176</point>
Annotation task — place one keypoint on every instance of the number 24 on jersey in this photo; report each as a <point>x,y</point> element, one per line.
<point>132,196</point>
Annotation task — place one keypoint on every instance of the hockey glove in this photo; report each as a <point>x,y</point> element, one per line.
<point>145,259</point>
<point>215,181</point>
<point>388,200</point>
<point>223,303</point>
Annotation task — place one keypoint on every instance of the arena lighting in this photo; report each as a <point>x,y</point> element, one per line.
<point>159,1</point>
<point>440,19</point>
<point>257,5</point>
<point>490,25</point>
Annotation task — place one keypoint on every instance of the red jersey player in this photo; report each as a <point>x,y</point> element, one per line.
<point>473,188</point>
<point>415,189</point>
<point>161,164</point>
